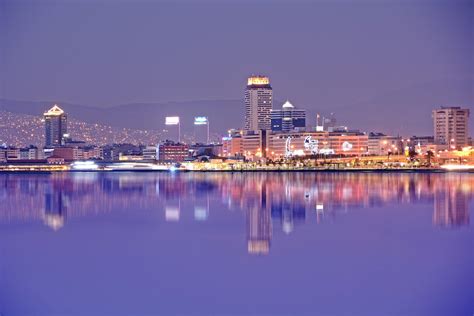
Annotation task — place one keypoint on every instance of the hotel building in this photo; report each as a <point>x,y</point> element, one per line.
<point>258,103</point>
<point>55,123</point>
<point>451,127</point>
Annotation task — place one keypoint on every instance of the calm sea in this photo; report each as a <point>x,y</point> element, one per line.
<point>236,244</point>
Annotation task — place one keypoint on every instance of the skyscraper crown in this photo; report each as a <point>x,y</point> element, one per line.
<point>54,111</point>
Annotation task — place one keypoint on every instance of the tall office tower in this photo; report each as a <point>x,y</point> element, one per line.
<point>451,126</point>
<point>55,124</point>
<point>288,118</point>
<point>258,103</point>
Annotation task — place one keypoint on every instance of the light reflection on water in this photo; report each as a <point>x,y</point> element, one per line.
<point>268,203</point>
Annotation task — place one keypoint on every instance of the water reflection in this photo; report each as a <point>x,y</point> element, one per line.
<point>268,200</point>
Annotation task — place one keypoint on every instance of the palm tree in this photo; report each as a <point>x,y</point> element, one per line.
<point>429,155</point>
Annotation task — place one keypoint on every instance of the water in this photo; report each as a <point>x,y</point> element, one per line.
<point>236,244</point>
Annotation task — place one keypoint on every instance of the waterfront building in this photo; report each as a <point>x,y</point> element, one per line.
<point>451,127</point>
<point>421,144</point>
<point>3,154</point>
<point>316,143</point>
<point>72,153</point>
<point>12,153</point>
<point>55,123</point>
<point>258,103</point>
<point>29,153</point>
<point>379,144</point>
<point>149,153</point>
<point>232,144</point>
<point>254,143</point>
<point>288,118</point>
<point>210,150</point>
<point>172,152</point>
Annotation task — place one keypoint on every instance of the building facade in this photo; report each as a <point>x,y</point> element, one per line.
<point>172,152</point>
<point>295,144</point>
<point>379,144</point>
<point>55,123</point>
<point>451,127</point>
<point>255,144</point>
<point>288,118</point>
<point>258,103</point>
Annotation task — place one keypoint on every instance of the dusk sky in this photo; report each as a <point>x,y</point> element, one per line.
<point>105,53</point>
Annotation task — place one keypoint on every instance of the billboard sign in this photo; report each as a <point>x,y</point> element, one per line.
<point>200,120</point>
<point>172,120</point>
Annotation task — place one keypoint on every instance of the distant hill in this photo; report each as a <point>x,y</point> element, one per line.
<point>223,114</point>
<point>404,111</point>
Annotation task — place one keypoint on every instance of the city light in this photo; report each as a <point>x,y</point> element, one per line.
<point>200,120</point>
<point>172,120</point>
<point>84,165</point>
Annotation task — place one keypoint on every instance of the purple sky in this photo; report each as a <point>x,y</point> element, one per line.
<point>104,53</point>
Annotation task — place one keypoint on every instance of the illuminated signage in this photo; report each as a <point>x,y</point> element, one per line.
<point>288,151</point>
<point>311,145</point>
<point>200,120</point>
<point>172,120</point>
<point>346,146</point>
<point>258,80</point>
<point>326,151</point>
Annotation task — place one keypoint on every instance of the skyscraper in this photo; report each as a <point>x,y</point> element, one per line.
<point>288,118</point>
<point>451,126</point>
<point>55,123</point>
<point>258,103</point>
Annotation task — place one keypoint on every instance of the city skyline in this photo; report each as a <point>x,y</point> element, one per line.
<point>393,69</point>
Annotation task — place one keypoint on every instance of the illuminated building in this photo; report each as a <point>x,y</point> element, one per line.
<point>381,145</point>
<point>232,144</point>
<point>258,103</point>
<point>350,143</point>
<point>313,143</point>
<point>55,123</point>
<point>29,153</point>
<point>12,153</point>
<point>172,152</point>
<point>451,127</point>
<point>254,143</point>
<point>288,118</point>
<point>210,150</point>
<point>149,153</point>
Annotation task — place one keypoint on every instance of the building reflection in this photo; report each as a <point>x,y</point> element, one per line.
<point>55,209</point>
<point>451,208</point>
<point>259,224</point>
<point>280,201</point>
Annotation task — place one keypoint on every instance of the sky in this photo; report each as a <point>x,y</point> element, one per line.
<point>104,53</point>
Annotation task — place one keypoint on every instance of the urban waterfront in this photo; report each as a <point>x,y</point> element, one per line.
<point>260,243</point>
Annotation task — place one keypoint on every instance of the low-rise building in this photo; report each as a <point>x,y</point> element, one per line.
<point>172,152</point>
<point>149,153</point>
<point>379,144</point>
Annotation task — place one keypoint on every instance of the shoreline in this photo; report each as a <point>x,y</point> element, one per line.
<point>411,170</point>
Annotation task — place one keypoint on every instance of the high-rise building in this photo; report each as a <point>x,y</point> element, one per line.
<point>258,103</point>
<point>288,118</point>
<point>451,126</point>
<point>55,123</point>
